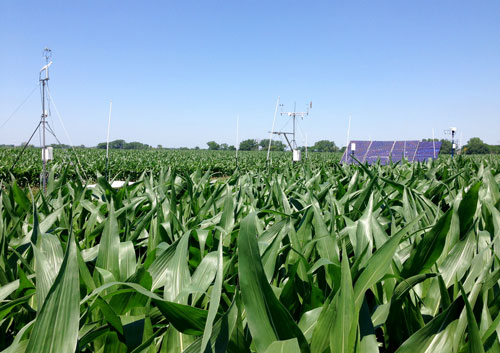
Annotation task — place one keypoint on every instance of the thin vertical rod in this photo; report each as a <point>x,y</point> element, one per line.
<point>272,129</point>
<point>44,154</point>
<point>294,143</point>
<point>237,137</point>
<point>107,138</point>
<point>306,145</point>
<point>348,136</point>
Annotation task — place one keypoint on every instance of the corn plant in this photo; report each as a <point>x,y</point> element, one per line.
<point>316,257</point>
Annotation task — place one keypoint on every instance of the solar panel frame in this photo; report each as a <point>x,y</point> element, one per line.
<point>384,152</point>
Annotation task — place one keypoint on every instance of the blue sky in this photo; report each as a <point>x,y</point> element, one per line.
<point>180,72</point>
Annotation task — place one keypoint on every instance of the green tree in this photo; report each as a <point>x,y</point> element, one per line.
<point>445,147</point>
<point>275,145</point>
<point>494,149</point>
<point>324,146</point>
<point>249,145</point>
<point>134,145</point>
<point>123,145</point>
<point>213,146</point>
<point>60,145</point>
<point>476,146</point>
<point>116,144</point>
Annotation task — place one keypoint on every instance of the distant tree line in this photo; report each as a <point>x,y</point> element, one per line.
<point>214,146</point>
<point>255,145</point>
<point>123,145</point>
<point>324,146</point>
<point>474,146</point>
<point>276,145</point>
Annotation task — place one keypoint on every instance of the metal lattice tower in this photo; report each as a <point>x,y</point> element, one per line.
<point>44,80</point>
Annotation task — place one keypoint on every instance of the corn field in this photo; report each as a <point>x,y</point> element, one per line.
<point>131,164</point>
<point>315,257</point>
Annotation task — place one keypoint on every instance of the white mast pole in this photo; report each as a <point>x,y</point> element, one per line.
<point>348,136</point>
<point>272,129</point>
<point>237,137</point>
<point>47,54</point>
<point>107,138</point>
<point>348,133</point>
<point>306,145</point>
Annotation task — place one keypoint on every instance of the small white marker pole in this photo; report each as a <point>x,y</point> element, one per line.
<point>237,137</point>
<point>348,132</point>
<point>306,145</point>
<point>433,144</point>
<point>347,143</point>
<point>272,129</point>
<point>107,138</point>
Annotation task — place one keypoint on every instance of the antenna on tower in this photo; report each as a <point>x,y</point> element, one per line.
<point>107,139</point>
<point>237,138</point>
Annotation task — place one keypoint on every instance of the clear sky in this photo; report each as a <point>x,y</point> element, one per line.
<point>180,72</point>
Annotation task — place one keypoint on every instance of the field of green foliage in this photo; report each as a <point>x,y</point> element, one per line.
<point>313,257</point>
<point>130,164</point>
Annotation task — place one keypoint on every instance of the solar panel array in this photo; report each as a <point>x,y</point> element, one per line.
<point>384,151</point>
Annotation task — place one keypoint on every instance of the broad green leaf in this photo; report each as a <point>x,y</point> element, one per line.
<point>429,248</point>
<point>56,325</point>
<point>205,274</point>
<point>20,197</point>
<point>467,209</point>
<point>344,330</point>
<point>288,346</point>
<point>267,318</point>
<point>214,299</point>
<point>177,276</point>
<point>159,267</point>
<point>308,321</point>
<point>108,256</point>
<point>127,261</point>
<point>475,344</point>
<point>378,265</point>
<point>406,284</point>
<point>221,333</point>
<point>48,259</point>
<point>421,339</point>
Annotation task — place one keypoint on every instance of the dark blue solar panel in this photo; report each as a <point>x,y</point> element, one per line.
<point>427,150</point>
<point>361,149</point>
<point>384,151</point>
<point>379,150</point>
